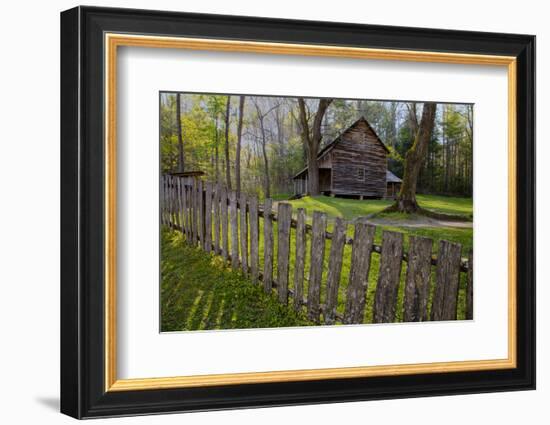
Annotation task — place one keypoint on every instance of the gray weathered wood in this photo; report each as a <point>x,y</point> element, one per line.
<point>224,224</point>
<point>200,199</point>
<point>318,229</point>
<point>445,296</point>
<point>243,228</point>
<point>284,216</point>
<point>216,202</point>
<point>189,218</point>
<point>194,212</point>
<point>177,189</point>
<point>233,214</point>
<point>172,203</point>
<point>334,269</point>
<point>363,239</point>
<point>254,239</point>
<point>184,208</point>
<point>389,275</point>
<point>207,245</point>
<point>169,200</point>
<point>470,288</point>
<point>268,246</point>
<point>299,263</point>
<point>418,279</point>
<point>358,163</point>
<point>162,200</point>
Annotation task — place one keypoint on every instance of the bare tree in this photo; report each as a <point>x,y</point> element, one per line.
<point>181,166</point>
<point>311,138</point>
<point>227,163</point>
<point>217,151</point>
<point>238,151</point>
<point>263,139</point>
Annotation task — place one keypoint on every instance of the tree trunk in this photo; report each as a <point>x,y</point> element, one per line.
<point>227,163</point>
<point>267,183</point>
<point>217,153</point>
<point>311,138</point>
<point>238,151</point>
<point>414,158</point>
<point>180,137</point>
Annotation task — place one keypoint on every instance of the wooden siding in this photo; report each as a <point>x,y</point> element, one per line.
<point>359,163</point>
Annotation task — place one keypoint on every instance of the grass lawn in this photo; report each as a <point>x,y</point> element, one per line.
<point>352,208</point>
<point>447,204</point>
<point>339,207</point>
<point>199,292</point>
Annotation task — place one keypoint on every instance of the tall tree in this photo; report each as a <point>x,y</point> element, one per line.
<point>414,158</point>
<point>311,138</point>
<point>238,151</point>
<point>181,166</point>
<point>217,151</point>
<point>227,162</point>
<point>263,139</point>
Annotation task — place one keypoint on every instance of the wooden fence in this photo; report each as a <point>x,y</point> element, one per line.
<point>208,215</point>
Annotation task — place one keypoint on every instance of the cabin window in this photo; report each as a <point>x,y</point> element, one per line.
<point>361,174</point>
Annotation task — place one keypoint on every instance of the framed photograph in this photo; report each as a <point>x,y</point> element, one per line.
<point>261,212</point>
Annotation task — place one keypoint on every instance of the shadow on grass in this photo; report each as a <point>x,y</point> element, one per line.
<point>199,292</point>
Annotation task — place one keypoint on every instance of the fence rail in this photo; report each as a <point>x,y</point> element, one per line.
<point>227,224</point>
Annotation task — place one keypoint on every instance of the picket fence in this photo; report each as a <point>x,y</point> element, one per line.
<point>209,215</point>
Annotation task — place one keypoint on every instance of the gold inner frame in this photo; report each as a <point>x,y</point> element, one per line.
<point>113,41</point>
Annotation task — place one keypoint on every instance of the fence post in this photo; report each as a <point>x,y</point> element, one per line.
<point>168,202</point>
<point>318,230</point>
<point>418,279</point>
<point>361,251</point>
<point>193,198</point>
<point>299,264</point>
<point>447,279</point>
<point>388,277</point>
<point>243,227</point>
<point>284,217</point>
<point>200,202</point>
<point>207,246</point>
<point>334,269</point>
<point>254,238</point>
<point>470,287</point>
<point>178,202</point>
<point>223,218</point>
<point>268,246</point>
<point>188,192</point>
<point>233,214</point>
<point>172,202</point>
<point>183,208</point>
<point>216,202</point>
<point>162,197</point>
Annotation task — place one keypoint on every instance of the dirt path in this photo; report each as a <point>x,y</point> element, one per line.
<point>418,221</point>
<point>421,221</point>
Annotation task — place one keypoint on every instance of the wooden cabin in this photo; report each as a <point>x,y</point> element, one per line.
<point>354,164</point>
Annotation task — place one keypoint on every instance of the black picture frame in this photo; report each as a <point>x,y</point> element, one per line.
<point>82,219</point>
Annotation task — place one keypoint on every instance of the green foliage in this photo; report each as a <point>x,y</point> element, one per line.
<point>446,170</point>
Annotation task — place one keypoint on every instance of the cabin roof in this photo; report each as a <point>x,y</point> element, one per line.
<point>392,178</point>
<point>332,144</point>
<point>194,173</point>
